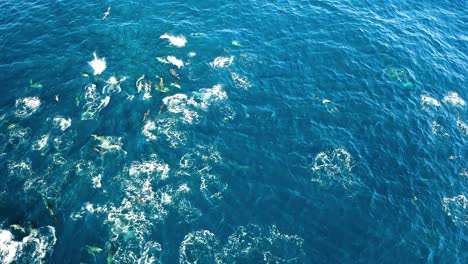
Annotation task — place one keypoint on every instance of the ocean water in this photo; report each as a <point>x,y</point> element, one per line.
<point>292,132</point>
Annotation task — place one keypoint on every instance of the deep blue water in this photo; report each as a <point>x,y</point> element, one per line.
<point>302,132</point>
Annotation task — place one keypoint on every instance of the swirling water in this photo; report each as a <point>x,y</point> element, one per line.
<point>295,132</point>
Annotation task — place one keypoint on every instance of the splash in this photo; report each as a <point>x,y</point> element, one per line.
<point>27,106</point>
<point>98,64</point>
<point>427,100</point>
<point>453,99</point>
<point>178,41</point>
<point>176,62</point>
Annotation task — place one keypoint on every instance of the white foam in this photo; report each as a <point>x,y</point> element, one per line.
<point>32,249</point>
<point>249,242</point>
<point>40,143</point>
<point>210,95</point>
<point>240,81</point>
<point>97,181</point>
<point>438,129</point>
<point>20,169</point>
<point>178,41</point>
<point>98,64</point>
<point>8,247</point>
<point>111,143</point>
<point>147,130</point>
<point>221,62</point>
<point>463,127</point>
<point>457,209</point>
<point>454,99</point>
<point>176,103</point>
<point>27,106</point>
<point>176,62</point>
<point>212,188</point>
<point>192,54</point>
<point>151,166</point>
<point>332,166</point>
<point>18,135</point>
<point>427,100</point>
<point>198,247</point>
<point>62,123</point>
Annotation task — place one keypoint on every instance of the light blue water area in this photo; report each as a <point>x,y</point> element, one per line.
<point>294,132</point>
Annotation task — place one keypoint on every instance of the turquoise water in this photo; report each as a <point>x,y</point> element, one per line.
<point>295,132</point>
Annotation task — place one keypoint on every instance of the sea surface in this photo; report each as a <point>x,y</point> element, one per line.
<point>256,131</point>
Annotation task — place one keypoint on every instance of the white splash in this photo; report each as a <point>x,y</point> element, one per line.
<point>62,123</point>
<point>27,106</point>
<point>98,64</point>
<point>221,62</point>
<point>178,41</point>
<point>454,99</point>
<point>176,62</point>
<point>192,54</point>
<point>427,100</point>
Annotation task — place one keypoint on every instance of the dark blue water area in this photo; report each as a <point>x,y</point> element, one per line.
<point>303,132</point>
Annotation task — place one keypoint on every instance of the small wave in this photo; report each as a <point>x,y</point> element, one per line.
<point>27,106</point>
<point>178,41</point>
